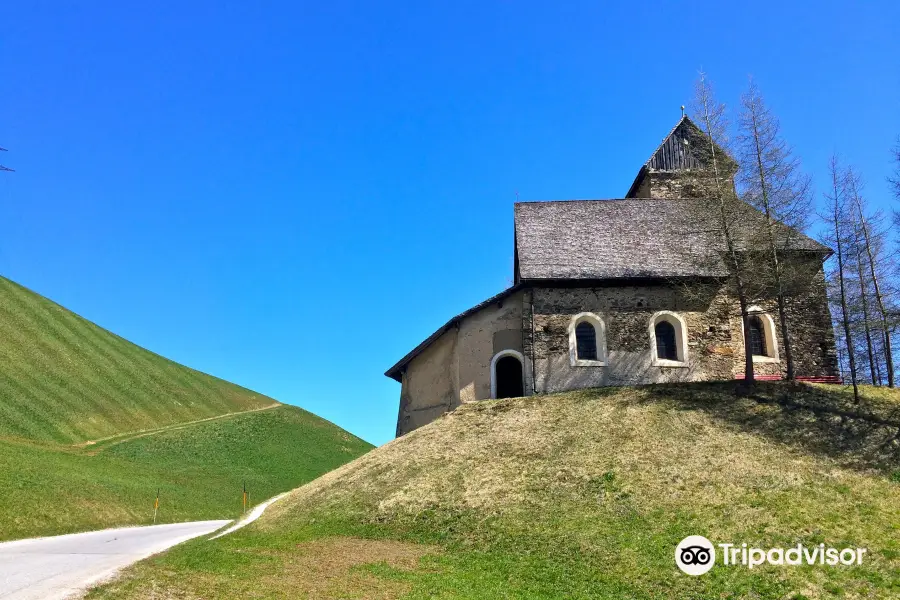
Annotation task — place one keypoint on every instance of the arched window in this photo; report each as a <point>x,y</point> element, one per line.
<point>665,341</point>
<point>757,336</point>
<point>668,340</point>
<point>587,341</point>
<point>761,335</point>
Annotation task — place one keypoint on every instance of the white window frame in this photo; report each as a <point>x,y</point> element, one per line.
<point>681,341</point>
<point>771,341</point>
<point>494,360</point>
<point>599,335</point>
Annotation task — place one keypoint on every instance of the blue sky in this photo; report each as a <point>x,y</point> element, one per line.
<point>292,196</point>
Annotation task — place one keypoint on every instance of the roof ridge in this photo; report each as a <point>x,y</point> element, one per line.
<point>564,200</point>
<point>683,118</point>
<point>394,371</point>
<point>573,200</point>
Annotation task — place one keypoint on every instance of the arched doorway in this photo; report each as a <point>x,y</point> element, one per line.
<point>506,375</point>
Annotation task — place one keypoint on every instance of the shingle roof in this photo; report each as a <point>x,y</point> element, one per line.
<point>629,238</point>
<point>610,239</point>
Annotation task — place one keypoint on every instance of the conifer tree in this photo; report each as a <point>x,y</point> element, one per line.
<point>837,237</point>
<point>862,280</point>
<point>871,242</point>
<point>711,114</point>
<point>894,179</point>
<point>773,183</point>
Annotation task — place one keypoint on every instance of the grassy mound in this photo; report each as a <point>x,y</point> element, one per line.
<point>92,425</point>
<point>578,495</point>
<point>64,379</point>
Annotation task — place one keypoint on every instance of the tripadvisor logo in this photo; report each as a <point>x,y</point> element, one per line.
<point>696,555</point>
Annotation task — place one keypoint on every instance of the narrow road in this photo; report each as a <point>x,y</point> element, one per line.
<point>113,440</point>
<point>58,567</point>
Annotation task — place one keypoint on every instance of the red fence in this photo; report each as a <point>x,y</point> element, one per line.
<point>820,379</point>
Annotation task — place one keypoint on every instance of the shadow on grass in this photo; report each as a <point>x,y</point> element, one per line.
<point>816,419</point>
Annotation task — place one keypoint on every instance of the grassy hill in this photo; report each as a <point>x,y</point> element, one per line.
<point>199,470</point>
<point>64,379</point>
<point>578,495</point>
<point>92,425</point>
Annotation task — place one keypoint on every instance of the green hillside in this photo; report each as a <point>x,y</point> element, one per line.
<point>199,470</point>
<point>64,379</point>
<point>578,495</point>
<point>91,426</point>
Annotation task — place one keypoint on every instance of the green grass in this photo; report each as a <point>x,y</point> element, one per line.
<point>198,469</point>
<point>64,379</point>
<point>577,495</point>
<point>92,425</point>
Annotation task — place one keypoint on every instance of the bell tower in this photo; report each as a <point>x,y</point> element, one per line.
<point>680,167</point>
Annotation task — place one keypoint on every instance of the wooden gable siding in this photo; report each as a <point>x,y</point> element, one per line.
<point>674,154</point>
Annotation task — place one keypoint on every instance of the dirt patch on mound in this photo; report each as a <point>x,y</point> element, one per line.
<point>330,568</point>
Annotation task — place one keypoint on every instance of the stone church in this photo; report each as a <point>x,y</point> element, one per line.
<point>617,292</point>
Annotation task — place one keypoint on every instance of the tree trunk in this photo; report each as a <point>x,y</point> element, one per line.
<point>865,306</point>
<point>773,247</point>
<point>730,247</point>
<point>878,369</point>
<point>845,316</point>
<point>786,339</point>
<point>886,330</point>
<point>749,375</point>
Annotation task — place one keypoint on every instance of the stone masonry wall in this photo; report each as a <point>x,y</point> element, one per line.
<point>626,312</point>
<point>714,335</point>
<point>456,367</point>
<point>682,184</point>
<point>809,319</point>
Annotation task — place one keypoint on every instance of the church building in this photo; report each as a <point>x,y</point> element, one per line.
<point>620,292</point>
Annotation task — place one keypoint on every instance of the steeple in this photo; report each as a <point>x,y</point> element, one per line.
<point>682,152</point>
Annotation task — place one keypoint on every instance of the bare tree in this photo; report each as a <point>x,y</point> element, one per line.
<point>836,218</point>
<point>864,304</point>
<point>714,124</point>
<point>870,245</point>
<point>2,168</point>
<point>894,179</point>
<point>773,183</point>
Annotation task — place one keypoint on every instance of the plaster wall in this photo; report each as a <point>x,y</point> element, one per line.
<point>482,335</point>
<point>429,384</point>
